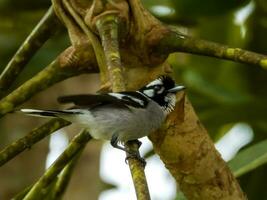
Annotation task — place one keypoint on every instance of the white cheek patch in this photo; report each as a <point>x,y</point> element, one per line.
<point>171,101</point>
<point>155,82</point>
<point>149,92</point>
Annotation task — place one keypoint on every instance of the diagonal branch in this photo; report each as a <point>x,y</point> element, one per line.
<point>75,146</point>
<point>64,178</point>
<point>30,139</point>
<point>47,27</point>
<point>174,41</point>
<point>70,63</point>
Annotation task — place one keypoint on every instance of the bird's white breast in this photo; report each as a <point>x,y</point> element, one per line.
<point>127,124</point>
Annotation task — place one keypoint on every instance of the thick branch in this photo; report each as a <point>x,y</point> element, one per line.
<point>30,139</point>
<point>75,146</point>
<point>173,41</point>
<point>47,27</point>
<point>187,151</point>
<point>68,64</point>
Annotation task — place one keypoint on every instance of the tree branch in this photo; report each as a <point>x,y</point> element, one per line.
<point>174,41</point>
<point>70,63</point>
<point>47,27</point>
<point>75,146</point>
<point>64,178</point>
<point>30,139</point>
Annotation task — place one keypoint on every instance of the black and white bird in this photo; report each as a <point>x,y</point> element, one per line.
<point>119,117</point>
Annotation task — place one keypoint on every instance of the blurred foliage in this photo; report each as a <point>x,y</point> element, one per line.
<point>222,92</point>
<point>192,10</point>
<point>249,159</point>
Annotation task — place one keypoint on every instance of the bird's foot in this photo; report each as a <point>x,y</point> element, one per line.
<point>135,155</point>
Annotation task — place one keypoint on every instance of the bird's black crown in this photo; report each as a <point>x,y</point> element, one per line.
<point>167,81</point>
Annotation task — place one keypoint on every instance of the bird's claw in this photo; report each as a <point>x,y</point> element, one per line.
<point>136,156</point>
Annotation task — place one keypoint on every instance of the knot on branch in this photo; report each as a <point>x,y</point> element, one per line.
<point>78,57</point>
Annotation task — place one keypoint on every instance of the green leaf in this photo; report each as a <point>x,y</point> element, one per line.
<point>249,159</point>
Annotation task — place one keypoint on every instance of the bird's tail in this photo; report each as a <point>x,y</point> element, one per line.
<point>46,113</point>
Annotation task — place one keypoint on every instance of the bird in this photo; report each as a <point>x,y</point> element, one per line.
<point>119,116</point>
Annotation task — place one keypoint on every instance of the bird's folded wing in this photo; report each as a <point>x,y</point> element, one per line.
<point>118,99</point>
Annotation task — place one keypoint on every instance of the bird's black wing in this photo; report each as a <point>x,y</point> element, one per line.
<point>123,99</point>
<point>135,99</point>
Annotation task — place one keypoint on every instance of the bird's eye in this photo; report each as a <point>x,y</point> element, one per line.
<point>157,87</point>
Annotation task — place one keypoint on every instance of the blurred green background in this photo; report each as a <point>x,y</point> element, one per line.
<point>223,93</point>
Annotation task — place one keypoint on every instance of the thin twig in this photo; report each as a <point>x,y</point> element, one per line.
<point>107,26</point>
<point>47,27</point>
<point>30,139</point>
<point>174,41</point>
<point>52,172</point>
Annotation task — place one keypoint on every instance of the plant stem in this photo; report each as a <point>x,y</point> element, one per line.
<point>30,139</point>
<point>75,146</point>
<point>107,26</point>
<point>47,27</point>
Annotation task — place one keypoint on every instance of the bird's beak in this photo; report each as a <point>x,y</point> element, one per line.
<point>177,88</point>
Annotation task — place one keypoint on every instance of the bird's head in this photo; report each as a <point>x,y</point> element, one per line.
<point>163,91</point>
